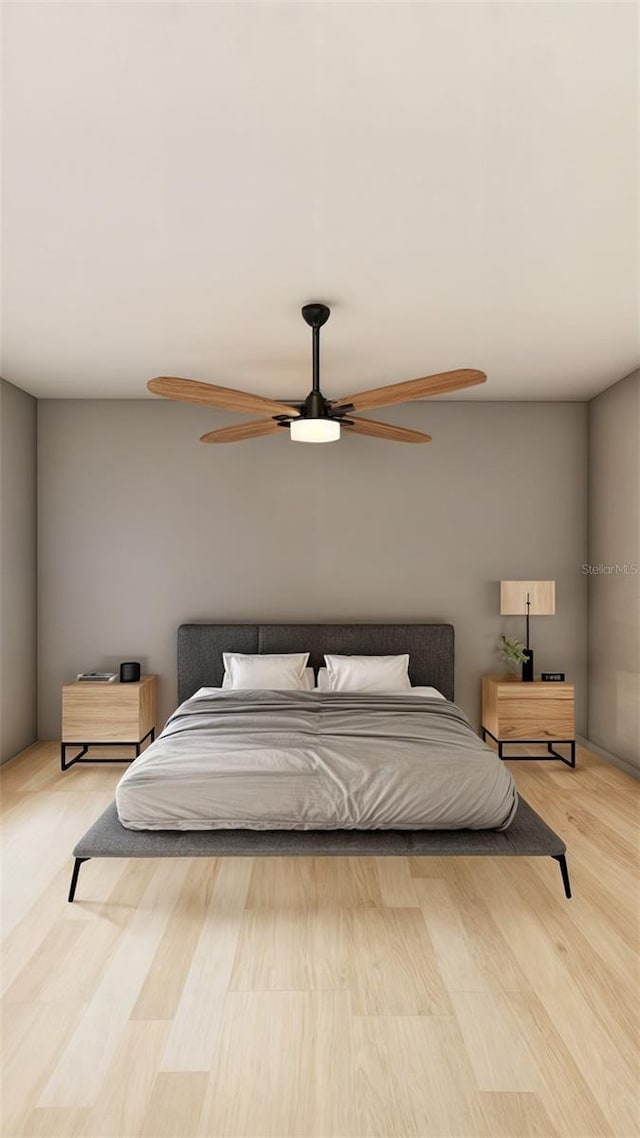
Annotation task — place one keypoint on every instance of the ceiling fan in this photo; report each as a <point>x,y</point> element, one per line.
<point>316,419</point>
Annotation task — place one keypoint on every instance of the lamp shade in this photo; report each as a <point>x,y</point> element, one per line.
<point>514,595</point>
<point>314,430</point>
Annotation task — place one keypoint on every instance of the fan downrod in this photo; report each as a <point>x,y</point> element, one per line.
<point>315,315</point>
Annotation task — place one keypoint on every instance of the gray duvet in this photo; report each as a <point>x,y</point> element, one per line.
<point>265,760</point>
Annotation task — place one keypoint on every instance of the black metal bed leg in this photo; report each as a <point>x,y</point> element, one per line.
<point>564,870</point>
<point>74,876</point>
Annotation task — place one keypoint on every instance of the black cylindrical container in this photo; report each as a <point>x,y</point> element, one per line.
<point>129,673</point>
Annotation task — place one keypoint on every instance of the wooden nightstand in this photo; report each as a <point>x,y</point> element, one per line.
<point>536,712</point>
<point>101,714</point>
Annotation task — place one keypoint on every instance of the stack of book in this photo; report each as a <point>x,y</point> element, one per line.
<point>98,677</point>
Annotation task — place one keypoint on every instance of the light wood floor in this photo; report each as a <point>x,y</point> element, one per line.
<point>334,998</point>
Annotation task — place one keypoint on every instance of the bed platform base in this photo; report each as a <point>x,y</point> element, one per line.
<point>527,836</point>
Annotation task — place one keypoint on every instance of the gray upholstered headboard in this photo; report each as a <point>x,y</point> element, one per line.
<point>430,648</point>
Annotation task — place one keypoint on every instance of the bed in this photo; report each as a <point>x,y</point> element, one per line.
<point>305,807</point>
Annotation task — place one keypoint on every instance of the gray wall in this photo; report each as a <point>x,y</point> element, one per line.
<point>614,595</point>
<point>142,527</point>
<point>17,570</point>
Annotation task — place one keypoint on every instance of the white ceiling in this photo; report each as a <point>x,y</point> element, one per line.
<point>458,181</point>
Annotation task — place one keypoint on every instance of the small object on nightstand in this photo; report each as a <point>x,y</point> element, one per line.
<point>105,715</point>
<point>97,677</point>
<point>130,673</point>
<point>536,712</point>
<point>553,677</point>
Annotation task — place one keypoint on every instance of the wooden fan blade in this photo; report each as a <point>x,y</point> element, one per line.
<point>412,389</point>
<point>241,431</point>
<point>386,431</point>
<point>191,391</point>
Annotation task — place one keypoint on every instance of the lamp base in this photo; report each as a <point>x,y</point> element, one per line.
<point>527,666</point>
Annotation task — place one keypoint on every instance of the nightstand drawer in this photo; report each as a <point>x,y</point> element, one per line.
<point>108,713</point>
<point>533,692</point>
<point>521,717</point>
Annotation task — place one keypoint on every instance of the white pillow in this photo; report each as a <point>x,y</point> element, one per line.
<point>427,693</point>
<point>308,680</point>
<point>368,673</point>
<point>266,672</point>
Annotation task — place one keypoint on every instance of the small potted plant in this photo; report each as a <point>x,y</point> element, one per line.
<point>512,652</point>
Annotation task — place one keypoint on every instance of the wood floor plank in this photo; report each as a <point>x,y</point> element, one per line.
<point>396,883</point>
<point>437,867</point>
<point>59,944</point>
<point>610,842</point>
<point>413,1078</point>
<point>27,936</point>
<point>69,973</point>
<point>297,882</point>
<point>599,890</point>
<point>456,960</point>
<point>164,982</point>
<point>194,1031</point>
<point>79,971</point>
<point>16,1022</point>
<point>566,1092</point>
<point>175,1105</point>
<point>603,936</point>
<point>600,985</point>
<point>625,806</point>
<point>54,1122</point>
<point>618,812</point>
<point>392,967</point>
<point>41,848</point>
<point>283,1068</point>
<point>492,1040</point>
<point>511,1114</point>
<point>77,1078</point>
<point>549,971</point>
<point>490,950</point>
<point>18,772</point>
<point>125,1092</point>
<point>620,876</point>
<point>291,949</point>
<point>26,1066</point>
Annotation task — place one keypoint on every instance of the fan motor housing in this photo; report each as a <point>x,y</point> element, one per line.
<point>315,406</point>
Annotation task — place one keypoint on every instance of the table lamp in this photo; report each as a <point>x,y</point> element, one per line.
<point>527,598</point>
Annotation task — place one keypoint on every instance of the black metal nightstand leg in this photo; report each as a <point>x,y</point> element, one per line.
<point>79,758</point>
<point>74,876</point>
<point>564,870</point>
<point>570,762</point>
<point>150,736</point>
<point>64,765</point>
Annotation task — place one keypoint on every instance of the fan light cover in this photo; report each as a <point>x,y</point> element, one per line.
<point>314,430</point>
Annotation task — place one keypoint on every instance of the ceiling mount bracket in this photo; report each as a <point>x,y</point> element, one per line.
<point>315,315</point>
